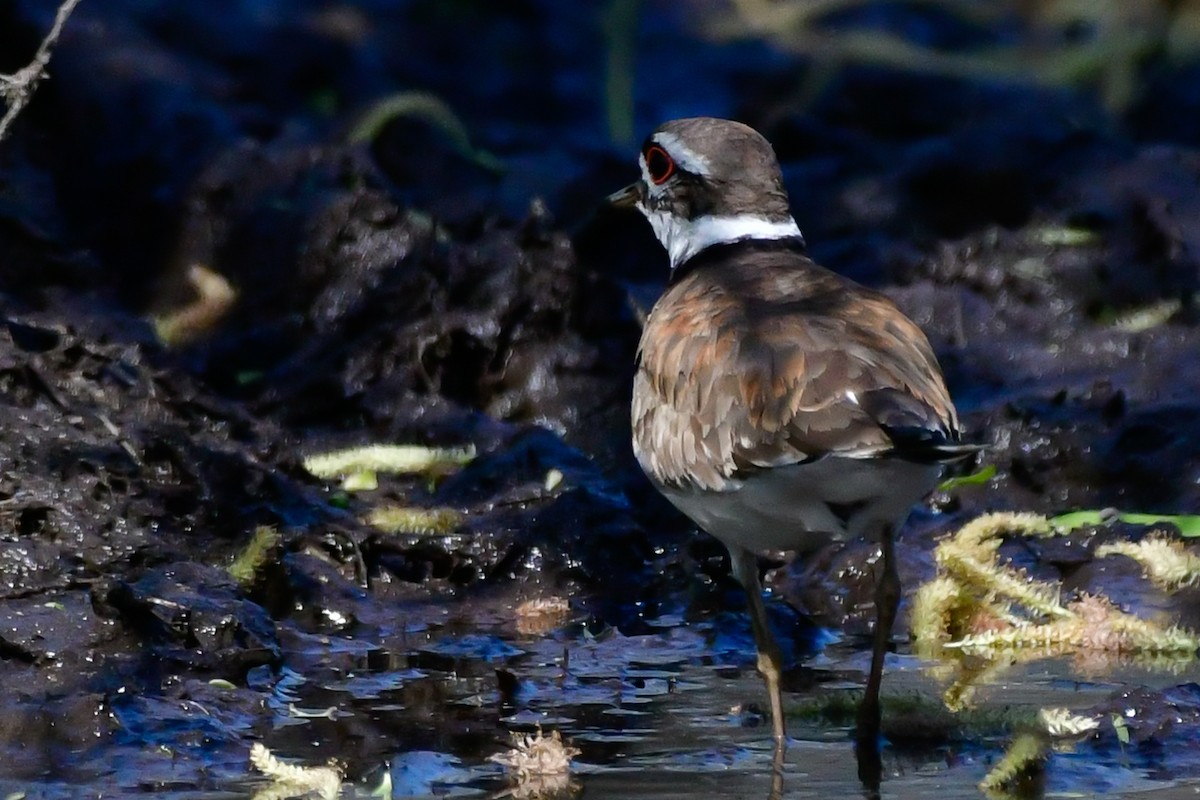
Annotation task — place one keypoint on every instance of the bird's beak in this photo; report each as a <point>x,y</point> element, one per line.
<point>628,197</point>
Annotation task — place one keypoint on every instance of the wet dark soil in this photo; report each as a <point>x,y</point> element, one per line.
<point>403,284</point>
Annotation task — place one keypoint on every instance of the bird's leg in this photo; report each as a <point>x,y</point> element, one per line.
<point>770,661</point>
<point>887,599</point>
<point>776,792</point>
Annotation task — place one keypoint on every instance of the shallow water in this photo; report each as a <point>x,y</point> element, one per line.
<point>658,715</point>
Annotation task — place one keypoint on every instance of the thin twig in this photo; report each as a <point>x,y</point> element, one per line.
<point>17,88</point>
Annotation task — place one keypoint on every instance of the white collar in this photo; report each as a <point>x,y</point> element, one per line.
<point>684,238</point>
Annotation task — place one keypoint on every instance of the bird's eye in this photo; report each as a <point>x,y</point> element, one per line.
<point>659,165</point>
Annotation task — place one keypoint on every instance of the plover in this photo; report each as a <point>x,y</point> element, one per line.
<point>778,404</point>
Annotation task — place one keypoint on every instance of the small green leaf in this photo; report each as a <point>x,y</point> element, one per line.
<point>1188,524</point>
<point>257,552</point>
<point>1064,236</point>
<point>1077,519</point>
<point>974,479</point>
<point>1118,723</point>
<point>363,480</point>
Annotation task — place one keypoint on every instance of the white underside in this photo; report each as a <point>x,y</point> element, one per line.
<point>684,238</point>
<point>785,508</point>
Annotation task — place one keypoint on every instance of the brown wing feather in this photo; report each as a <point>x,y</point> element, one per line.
<point>745,365</point>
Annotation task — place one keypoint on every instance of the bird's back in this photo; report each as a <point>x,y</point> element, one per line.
<point>755,360</point>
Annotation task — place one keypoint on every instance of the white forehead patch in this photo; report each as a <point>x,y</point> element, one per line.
<point>686,159</point>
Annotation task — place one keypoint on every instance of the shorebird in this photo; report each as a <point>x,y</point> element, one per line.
<point>777,404</point>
